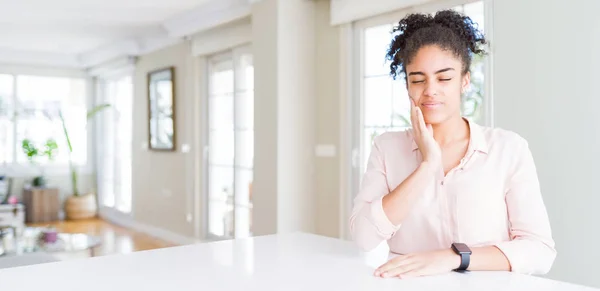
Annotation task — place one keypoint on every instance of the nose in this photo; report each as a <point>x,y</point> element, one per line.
<point>430,89</point>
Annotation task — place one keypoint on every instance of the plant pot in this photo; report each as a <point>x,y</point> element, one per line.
<point>81,207</point>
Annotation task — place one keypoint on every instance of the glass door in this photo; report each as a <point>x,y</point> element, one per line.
<point>231,144</point>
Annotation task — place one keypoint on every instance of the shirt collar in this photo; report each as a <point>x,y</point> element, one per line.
<point>477,141</point>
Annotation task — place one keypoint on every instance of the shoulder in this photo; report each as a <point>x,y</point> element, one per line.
<point>504,140</point>
<point>394,141</point>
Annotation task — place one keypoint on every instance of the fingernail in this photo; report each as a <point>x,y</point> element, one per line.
<point>385,274</point>
<point>376,273</point>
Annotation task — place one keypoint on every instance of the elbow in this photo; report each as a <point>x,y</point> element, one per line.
<point>529,257</point>
<point>544,262</point>
<point>364,236</point>
<point>370,226</point>
<point>540,264</point>
<point>365,245</point>
<point>541,267</point>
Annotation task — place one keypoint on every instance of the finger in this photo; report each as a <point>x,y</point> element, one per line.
<point>414,118</point>
<point>400,270</point>
<point>411,274</point>
<point>421,120</point>
<point>386,267</point>
<point>413,113</point>
<point>393,263</point>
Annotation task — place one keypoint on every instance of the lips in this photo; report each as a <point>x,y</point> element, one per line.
<point>431,105</point>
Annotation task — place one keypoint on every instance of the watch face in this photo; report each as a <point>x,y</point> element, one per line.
<point>461,248</point>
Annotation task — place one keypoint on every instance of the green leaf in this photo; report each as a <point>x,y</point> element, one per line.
<point>51,148</point>
<point>30,150</point>
<point>92,112</point>
<point>64,126</point>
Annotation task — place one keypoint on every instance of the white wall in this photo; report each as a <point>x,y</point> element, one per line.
<point>546,71</point>
<point>264,188</point>
<point>296,115</point>
<point>163,182</point>
<point>327,124</point>
<point>284,39</point>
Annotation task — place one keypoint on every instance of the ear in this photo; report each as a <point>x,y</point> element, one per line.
<point>466,82</point>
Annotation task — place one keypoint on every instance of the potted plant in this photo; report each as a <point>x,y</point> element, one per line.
<point>32,152</point>
<point>79,205</point>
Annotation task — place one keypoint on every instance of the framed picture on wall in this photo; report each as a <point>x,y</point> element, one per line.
<point>161,109</point>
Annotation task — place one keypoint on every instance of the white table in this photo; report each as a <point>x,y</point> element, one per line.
<point>280,262</point>
<point>11,261</point>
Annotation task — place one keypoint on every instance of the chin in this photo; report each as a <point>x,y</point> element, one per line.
<point>434,119</point>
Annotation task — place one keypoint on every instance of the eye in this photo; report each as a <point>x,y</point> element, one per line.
<point>418,81</point>
<point>445,80</point>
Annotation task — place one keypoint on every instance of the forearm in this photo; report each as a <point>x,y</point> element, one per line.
<point>398,203</point>
<point>488,258</point>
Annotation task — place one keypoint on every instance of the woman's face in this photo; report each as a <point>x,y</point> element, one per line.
<point>435,82</point>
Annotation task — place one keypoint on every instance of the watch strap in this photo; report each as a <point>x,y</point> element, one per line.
<point>465,259</point>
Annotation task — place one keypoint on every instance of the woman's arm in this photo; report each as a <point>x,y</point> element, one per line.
<point>378,213</point>
<point>398,203</point>
<point>531,248</point>
<point>487,258</point>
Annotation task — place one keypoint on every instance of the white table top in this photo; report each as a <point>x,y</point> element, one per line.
<point>279,262</point>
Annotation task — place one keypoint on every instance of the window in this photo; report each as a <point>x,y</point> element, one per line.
<point>115,143</point>
<point>231,144</point>
<point>29,109</point>
<point>383,103</point>
<point>7,144</point>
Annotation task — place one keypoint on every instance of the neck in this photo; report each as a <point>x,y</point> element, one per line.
<point>452,130</point>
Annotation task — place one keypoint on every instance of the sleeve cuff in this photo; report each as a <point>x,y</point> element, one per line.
<point>527,257</point>
<point>510,250</point>
<point>380,219</point>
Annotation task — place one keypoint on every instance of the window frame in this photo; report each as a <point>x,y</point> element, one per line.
<point>26,170</point>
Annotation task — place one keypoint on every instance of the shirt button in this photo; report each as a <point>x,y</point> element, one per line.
<point>442,183</point>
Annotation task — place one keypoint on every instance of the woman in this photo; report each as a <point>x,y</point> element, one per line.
<point>449,194</point>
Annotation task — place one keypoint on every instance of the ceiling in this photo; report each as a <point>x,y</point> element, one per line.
<point>71,30</point>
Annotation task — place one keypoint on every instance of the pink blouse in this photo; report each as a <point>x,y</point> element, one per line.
<point>491,198</point>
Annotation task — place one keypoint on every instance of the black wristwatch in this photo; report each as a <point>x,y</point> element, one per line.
<point>465,255</point>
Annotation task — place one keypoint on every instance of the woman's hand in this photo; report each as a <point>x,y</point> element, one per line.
<point>423,134</point>
<point>420,264</point>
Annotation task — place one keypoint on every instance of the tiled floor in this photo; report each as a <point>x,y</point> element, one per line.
<point>115,239</point>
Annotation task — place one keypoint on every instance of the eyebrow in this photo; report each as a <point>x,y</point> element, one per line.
<point>440,71</point>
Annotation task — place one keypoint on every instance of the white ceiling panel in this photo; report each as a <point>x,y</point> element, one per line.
<point>80,26</point>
